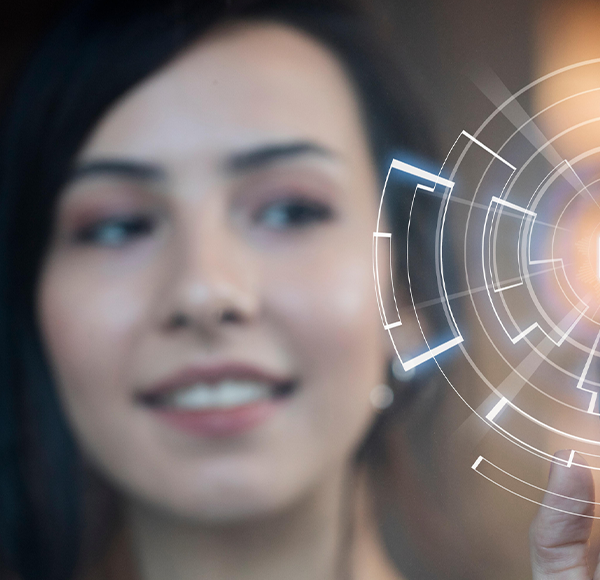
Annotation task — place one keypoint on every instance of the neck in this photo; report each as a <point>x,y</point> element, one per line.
<point>309,540</point>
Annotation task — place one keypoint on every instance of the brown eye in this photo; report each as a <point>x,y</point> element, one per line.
<point>294,213</point>
<point>115,232</point>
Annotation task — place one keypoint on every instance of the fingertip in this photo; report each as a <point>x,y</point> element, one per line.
<point>559,533</point>
<point>570,483</point>
<point>568,466</point>
<point>566,457</point>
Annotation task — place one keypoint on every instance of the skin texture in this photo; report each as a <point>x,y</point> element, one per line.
<point>267,503</point>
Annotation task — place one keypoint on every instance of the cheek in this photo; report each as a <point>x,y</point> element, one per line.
<point>87,326</point>
<point>330,310</point>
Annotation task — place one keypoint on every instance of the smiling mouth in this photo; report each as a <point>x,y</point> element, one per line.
<point>227,394</point>
<point>217,400</point>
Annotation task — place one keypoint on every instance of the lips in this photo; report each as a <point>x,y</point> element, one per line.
<point>217,400</point>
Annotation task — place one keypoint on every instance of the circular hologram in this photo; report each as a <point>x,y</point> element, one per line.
<point>514,242</point>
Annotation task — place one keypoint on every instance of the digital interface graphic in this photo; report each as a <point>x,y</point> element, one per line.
<point>516,248</point>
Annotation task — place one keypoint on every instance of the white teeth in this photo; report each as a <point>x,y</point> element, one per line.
<point>223,395</point>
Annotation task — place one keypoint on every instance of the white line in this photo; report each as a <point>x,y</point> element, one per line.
<point>477,462</point>
<point>534,450</point>
<point>435,301</point>
<point>552,460</point>
<point>489,150</point>
<point>584,373</point>
<point>554,329</point>
<point>497,408</point>
<point>400,165</point>
<point>415,362</point>
<point>376,279</point>
<point>598,257</point>
<point>524,333</point>
<point>570,462</point>
<point>560,432</point>
<point>496,290</point>
<point>485,207</point>
<point>537,502</point>
<point>584,185</point>
<point>424,187</point>
<point>566,334</point>
<point>422,174</point>
<point>380,304</point>
<point>592,404</point>
<point>513,206</point>
<point>588,362</point>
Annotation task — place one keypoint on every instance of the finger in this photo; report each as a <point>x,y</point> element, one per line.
<point>558,539</point>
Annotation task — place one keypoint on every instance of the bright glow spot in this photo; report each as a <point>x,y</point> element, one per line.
<point>382,397</point>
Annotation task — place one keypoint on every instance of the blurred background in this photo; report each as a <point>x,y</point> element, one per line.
<point>460,525</point>
<point>443,43</point>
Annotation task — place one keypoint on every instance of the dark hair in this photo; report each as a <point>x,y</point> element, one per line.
<point>98,51</point>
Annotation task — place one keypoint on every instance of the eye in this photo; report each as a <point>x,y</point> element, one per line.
<point>115,232</point>
<point>294,213</point>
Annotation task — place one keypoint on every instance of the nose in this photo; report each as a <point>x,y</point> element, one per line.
<point>211,280</point>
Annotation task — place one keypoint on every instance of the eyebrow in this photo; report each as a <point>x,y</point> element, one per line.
<point>117,167</point>
<point>263,156</point>
<point>242,162</point>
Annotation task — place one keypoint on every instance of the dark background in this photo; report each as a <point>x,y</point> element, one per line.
<point>445,45</point>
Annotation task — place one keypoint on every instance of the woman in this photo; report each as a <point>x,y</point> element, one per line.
<point>188,198</point>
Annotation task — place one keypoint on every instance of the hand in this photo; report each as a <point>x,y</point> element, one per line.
<point>558,540</point>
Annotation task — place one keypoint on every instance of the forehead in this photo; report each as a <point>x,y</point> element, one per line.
<point>234,88</point>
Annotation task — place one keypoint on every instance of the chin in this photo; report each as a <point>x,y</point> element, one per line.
<point>220,493</point>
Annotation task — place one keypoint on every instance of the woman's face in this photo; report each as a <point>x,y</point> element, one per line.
<point>233,187</point>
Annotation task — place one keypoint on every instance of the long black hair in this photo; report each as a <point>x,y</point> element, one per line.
<point>99,50</point>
